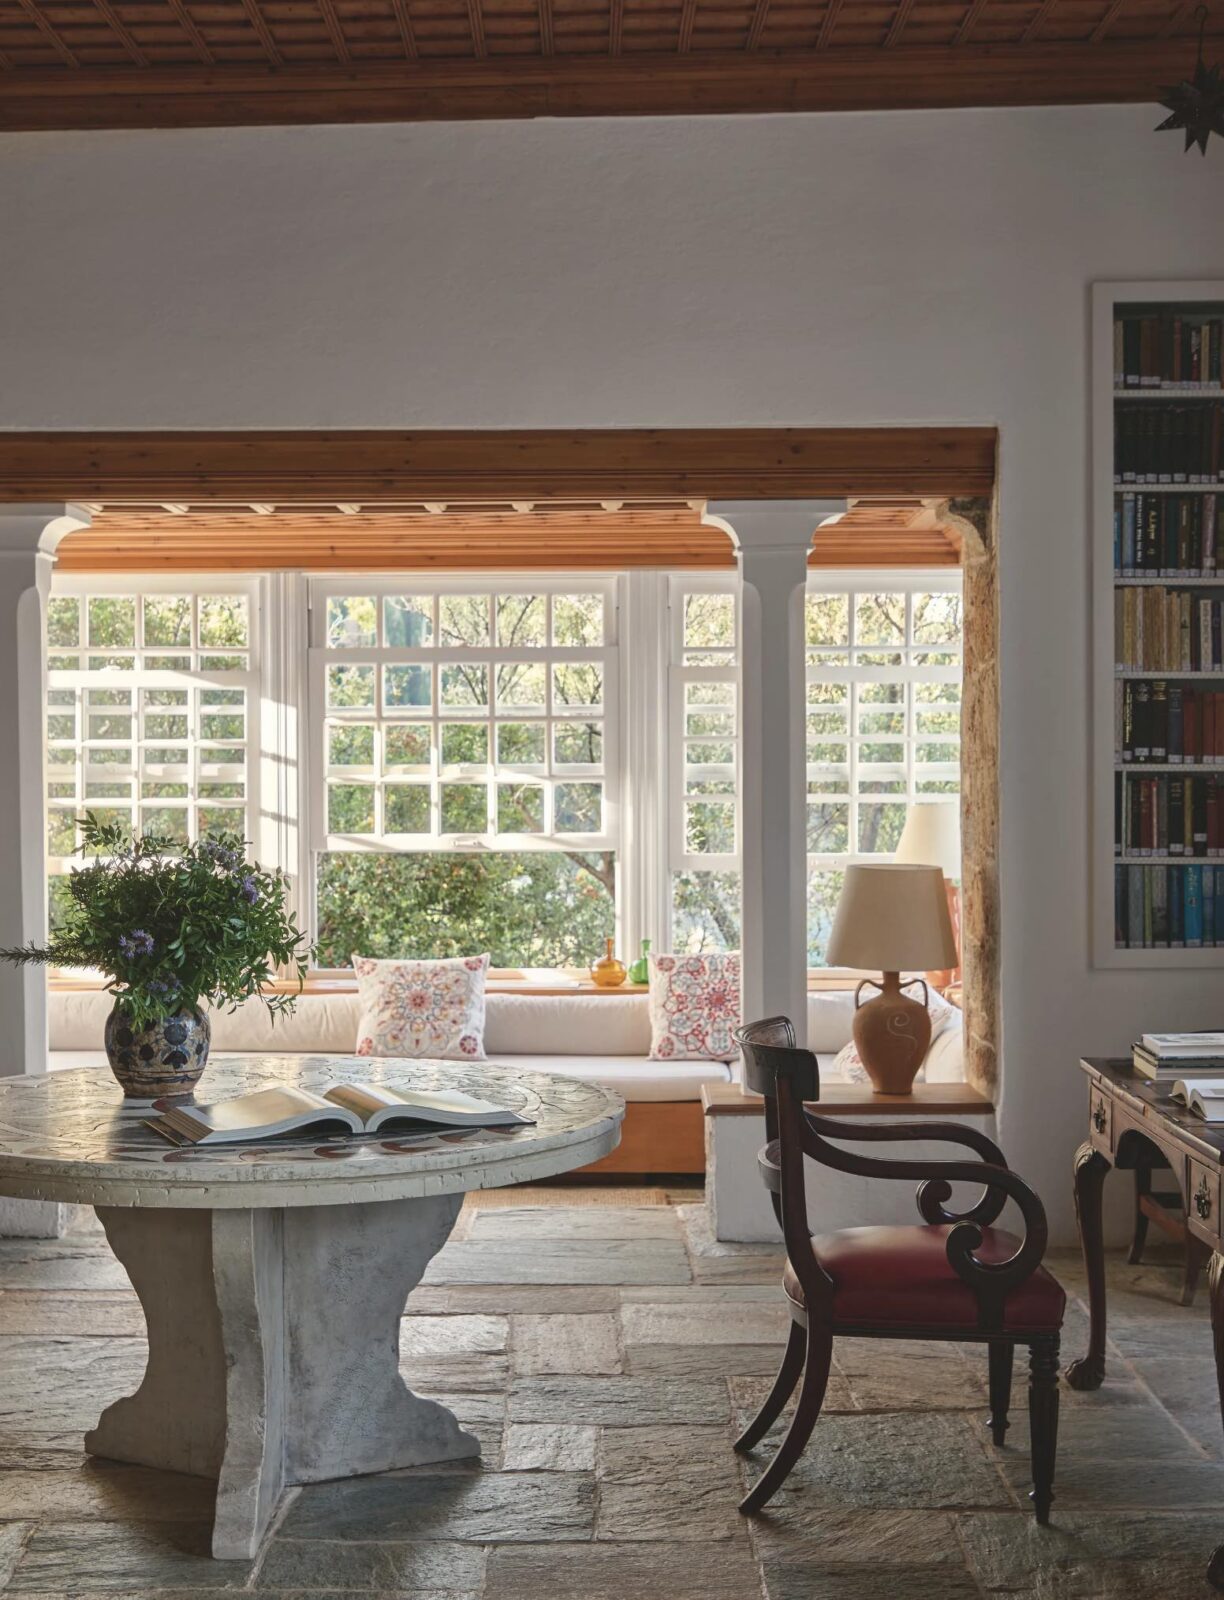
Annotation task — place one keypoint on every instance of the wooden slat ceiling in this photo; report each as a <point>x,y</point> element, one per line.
<point>161,63</point>
<point>487,538</point>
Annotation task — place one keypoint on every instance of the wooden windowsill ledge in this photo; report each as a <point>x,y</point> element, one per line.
<point>858,1100</point>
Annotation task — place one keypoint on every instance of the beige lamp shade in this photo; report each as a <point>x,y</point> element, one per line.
<point>892,918</point>
<point>931,837</point>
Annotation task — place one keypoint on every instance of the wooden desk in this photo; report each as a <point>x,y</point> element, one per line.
<point>1128,1118</point>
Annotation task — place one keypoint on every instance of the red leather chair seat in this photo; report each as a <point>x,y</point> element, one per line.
<point>902,1275</point>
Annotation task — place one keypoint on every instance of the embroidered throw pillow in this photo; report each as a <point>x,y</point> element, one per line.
<point>848,1065</point>
<point>694,1007</point>
<point>422,1008</point>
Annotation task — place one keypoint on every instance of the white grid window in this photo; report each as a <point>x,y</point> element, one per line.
<point>455,715</point>
<point>704,734</point>
<point>883,669</point>
<point>151,707</point>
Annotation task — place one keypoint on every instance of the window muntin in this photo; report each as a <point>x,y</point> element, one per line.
<point>152,708</point>
<point>884,664</point>
<point>883,679</point>
<point>703,742</point>
<point>446,715</point>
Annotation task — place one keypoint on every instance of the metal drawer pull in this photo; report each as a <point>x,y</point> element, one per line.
<point>1202,1200</point>
<point>1098,1116</point>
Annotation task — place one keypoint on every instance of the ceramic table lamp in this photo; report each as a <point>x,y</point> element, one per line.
<point>931,838</point>
<point>893,918</point>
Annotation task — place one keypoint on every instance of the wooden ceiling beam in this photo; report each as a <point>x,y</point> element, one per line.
<point>48,32</point>
<point>296,467</point>
<point>115,23</point>
<point>198,42</point>
<point>844,79</point>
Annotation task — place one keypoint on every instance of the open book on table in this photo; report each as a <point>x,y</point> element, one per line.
<point>343,1108</point>
<point>1203,1096</point>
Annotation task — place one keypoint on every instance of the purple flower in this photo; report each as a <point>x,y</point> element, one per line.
<point>250,890</point>
<point>137,943</point>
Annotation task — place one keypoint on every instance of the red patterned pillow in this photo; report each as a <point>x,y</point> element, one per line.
<point>422,1008</point>
<point>694,1007</point>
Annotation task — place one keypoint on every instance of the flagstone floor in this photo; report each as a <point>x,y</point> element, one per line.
<point>604,1355</point>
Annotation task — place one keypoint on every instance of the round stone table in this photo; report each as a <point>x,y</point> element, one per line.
<point>273,1276</point>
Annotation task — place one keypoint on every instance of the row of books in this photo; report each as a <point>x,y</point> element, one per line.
<point>1167,630</point>
<point>1167,724</point>
<point>1165,907</point>
<point>1191,1062</point>
<point>1168,349</point>
<point>1168,816</point>
<point>1167,535</point>
<point>1168,444</point>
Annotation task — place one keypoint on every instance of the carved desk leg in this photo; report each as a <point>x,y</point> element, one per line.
<point>1215,1283</point>
<point>1090,1169</point>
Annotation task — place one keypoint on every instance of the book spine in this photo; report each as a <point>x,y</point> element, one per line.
<point>1194,908</point>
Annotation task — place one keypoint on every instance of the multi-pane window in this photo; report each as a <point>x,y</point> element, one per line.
<point>883,667</point>
<point>151,701</point>
<point>884,663</point>
<point>704,753</point>
<point>467,722</point>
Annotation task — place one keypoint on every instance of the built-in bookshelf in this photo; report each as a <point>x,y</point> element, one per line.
<point>1158,508</point>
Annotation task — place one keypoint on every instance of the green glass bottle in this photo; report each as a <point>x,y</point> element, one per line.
<point>639,972</point>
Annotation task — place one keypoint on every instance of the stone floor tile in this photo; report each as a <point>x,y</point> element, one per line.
<point>548,1447</point>
<point>618,1402</point>
<point>13,1536</point>
<point>577,1222</point>
<point>52,1390</point>
<point>565,1344</point>
<point>557,1261</point>
<point>122,1557</point>
<point>505,1298</point>
<point>615,1571</point>
<point>853,1537</point>
<point>107,1490</point>
<point>66,1312</point>
<point>704,1294</point>
<point>894,1381</point>
<point>745,1322</point>
<point>808,1581</point>
<point>748,1396</point>
<point>448,1336</point>
<point>59,1264</point>
<point>484,1507</point>
<point>1010,1550</point>
<point>459,1374</point>
<point>391,1565</point>
<point>704,1360</point>
<point>670,1484</point>
<point>904,1459</point>
<point>1131,1428</point>
<point>1082,1482</point>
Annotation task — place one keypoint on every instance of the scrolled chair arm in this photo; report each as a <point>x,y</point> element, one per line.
<point>991,1281</point>
<point>931,1194</point>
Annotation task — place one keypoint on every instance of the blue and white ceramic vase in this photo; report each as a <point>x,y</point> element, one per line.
<point>165,1059</point>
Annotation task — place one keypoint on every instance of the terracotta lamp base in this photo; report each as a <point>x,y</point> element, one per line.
<point>892,1033</point>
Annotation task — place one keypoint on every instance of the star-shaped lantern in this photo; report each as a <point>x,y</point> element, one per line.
<point>1197,104</point>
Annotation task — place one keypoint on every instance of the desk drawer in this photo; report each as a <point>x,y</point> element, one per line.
<point>1100,1118</point>
<point>1203,1198</point>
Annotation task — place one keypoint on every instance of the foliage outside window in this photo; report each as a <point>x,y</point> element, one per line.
<point>151,699</point>
<point>466,762</point>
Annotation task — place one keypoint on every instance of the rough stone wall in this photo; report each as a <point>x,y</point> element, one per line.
<point>975,521</point>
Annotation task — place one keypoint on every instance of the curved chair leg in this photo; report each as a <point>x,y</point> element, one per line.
<point>783,1388</point>
<point>811,1398</point>
<point>1001,1355</point>
<point>1043,1420</point>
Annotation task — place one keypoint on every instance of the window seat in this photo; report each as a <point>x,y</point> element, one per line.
<point>570,1033</point>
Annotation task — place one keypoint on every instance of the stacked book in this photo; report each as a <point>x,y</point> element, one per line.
<point>1173,1056</point>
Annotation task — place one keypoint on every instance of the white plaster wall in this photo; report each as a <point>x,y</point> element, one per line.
<point>909,268</point>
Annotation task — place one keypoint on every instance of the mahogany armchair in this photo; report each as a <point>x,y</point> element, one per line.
<point>954,1276</point>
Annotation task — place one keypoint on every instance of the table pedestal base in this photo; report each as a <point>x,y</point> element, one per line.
<point>274,1350</point>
